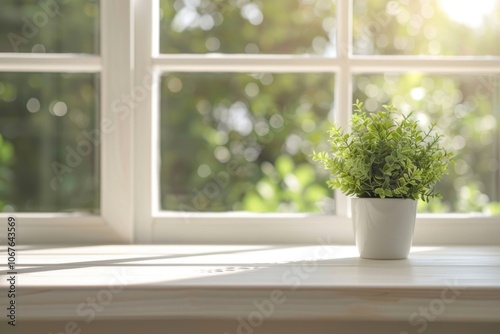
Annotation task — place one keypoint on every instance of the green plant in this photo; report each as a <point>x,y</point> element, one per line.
<point>385,155</point>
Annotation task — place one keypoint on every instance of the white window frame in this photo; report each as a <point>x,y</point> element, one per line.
<point>130,65</point>
<point>114,224</point>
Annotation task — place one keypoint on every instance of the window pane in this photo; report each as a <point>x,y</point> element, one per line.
<point>466,109</point>
<point>430,27</point>
<point>49,160</point>
<point>49,26</point>
<point>248,26</point>
<point>241,142</point>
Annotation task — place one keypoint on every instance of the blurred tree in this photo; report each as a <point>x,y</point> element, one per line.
<point>426,27</point>
<point>257,123</point>
<point>49,26</point>
<point>248,26</point>
<point>45,117</point>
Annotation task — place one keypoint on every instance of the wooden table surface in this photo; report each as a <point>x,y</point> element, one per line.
<point>295,282</point>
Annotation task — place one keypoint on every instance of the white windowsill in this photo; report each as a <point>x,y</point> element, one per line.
<point>225,282</point>
<point>248,229</point>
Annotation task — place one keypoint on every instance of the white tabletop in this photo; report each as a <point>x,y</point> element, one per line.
<point>307,282</point>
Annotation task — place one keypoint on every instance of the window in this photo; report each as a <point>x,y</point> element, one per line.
<point>201,114</point>
<point>43,112</point>
<point>60,172</point>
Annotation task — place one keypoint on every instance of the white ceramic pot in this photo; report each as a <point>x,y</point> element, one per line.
<point>383,227</point>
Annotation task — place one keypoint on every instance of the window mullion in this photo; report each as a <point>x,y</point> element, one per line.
<point>244,63</point>
<point>115,130</point>
<point>343,93</point>
<point>22,62</point>
<point>145,120</point>
<point>430,65</point>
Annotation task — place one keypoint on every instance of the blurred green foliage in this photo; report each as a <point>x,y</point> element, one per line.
<point>300,193</point>
<point>247,26</point>
<point>232,141</point>
<point>6,157</point>
<point>256,127</point>
<point>426,27</point>
<point>45,116</point>
<point>49,26</point>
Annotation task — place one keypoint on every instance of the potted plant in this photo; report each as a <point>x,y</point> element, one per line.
<point>387,162</point>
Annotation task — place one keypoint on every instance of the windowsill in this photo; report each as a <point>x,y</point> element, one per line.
<point>249,229</point>
<point>226,282</point>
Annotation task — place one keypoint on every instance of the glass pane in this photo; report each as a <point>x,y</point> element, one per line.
<point>466,109</point>
<point>248,26</point>
<point>49,26</point>
<point>426,27</point>
<point>241,142</point>
<point>49,156</point>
